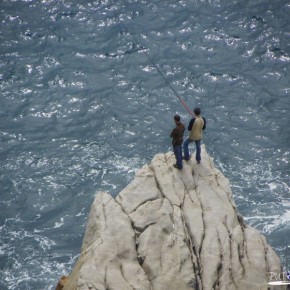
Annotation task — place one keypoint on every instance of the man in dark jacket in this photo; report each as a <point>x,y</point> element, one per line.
<point>177,140</point>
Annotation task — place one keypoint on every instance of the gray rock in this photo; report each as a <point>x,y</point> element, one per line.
<point>172,229</point>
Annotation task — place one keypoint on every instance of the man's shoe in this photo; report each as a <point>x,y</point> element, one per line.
<point>175,166</point>
<point>185,159</point>
<point>198,162</point>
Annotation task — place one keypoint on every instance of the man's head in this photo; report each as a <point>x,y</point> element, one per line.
<point>177,119</point>
<point>197,111</point>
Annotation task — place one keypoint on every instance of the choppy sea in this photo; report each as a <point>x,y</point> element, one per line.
<point>82,108</point>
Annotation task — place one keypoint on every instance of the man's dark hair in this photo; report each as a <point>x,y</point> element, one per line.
<point>177,118</point>
<point>197,111</point>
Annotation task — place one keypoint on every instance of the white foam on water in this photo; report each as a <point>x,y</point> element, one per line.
<point>81,213</point>
<point>278,221</point>
<point>3,249</point>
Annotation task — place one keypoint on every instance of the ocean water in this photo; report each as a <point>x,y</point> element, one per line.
<point>82,108</point>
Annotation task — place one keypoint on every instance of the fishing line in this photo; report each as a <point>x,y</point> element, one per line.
<point>156,67</point>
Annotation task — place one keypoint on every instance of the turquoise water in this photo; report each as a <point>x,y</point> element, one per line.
<point>82,108</point>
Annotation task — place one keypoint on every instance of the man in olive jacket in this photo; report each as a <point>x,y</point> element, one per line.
<point>177,139</point>
<point>196,126</point>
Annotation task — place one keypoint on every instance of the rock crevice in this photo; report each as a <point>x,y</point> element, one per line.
<point>171,229</point>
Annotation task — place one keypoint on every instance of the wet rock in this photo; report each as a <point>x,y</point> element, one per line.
<point>62,281</point>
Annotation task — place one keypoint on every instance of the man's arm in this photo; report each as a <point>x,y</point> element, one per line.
<point>190,124</point>
<point>204,125</point>
<point>173,133</point>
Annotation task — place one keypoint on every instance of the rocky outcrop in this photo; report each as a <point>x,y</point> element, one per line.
<point>62,281</point>
<point>172,230</point>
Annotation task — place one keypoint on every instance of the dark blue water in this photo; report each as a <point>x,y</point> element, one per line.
<point>82,108</point>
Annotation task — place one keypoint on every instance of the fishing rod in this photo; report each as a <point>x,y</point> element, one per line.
<point>156,67</point>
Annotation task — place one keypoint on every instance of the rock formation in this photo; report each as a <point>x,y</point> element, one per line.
<point>172,230</point>
<point>62,281</point>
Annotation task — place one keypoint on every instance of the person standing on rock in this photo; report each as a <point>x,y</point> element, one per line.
<point>196,126</point>
<point>177,139</point>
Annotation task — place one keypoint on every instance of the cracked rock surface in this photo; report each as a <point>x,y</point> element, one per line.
<point>172,230</point>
